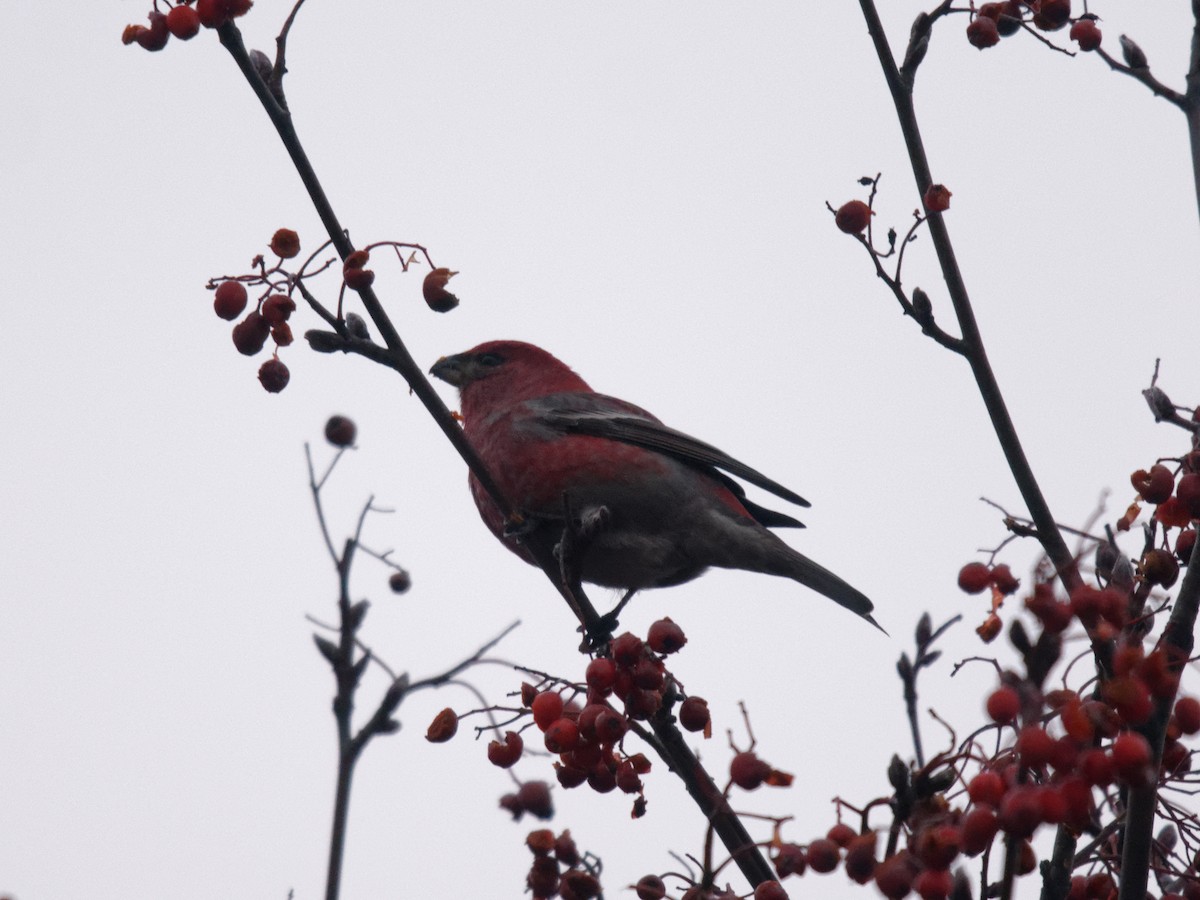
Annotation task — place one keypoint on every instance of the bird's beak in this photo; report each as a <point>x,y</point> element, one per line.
<point>452,369</point>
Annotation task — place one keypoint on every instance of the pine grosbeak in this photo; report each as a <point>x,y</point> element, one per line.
<point>657,507</point>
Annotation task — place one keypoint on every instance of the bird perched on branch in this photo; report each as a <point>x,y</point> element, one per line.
<point>656,505</point>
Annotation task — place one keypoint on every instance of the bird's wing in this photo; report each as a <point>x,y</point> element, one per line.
<point>602,416</point>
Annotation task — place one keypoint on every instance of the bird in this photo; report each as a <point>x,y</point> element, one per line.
<point>657,507</point>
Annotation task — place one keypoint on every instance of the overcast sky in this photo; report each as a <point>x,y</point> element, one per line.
<point>639,188</point>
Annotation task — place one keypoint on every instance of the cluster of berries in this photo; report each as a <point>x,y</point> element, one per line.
<point>183,21</point>
<point>559,870</point>
<point>993,21</point>
<point>268,319</point>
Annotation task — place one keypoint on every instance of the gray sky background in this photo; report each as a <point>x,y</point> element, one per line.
<point>638,188</point>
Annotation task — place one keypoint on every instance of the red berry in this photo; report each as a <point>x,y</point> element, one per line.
<point>770,890</point>
<point>562,736</point>
<point>1052,805</point>
<point>601,675</point>
<point>1052,15</point>
<point>665,636</point>
<point>230,297</point>
<point>547,708</point>
<point>860,858</point>
<point>894,876</point>
<point>1184,544</point>
<point>1020,811</point>
<point>1130,697</point>
<point>841,834</point>
<point>506,753</point>
<point>274,375</point>
<point>936,846</point>
<point>978,829</point>
<point>212,13</point>
<point>823,855</point>
<point>1003,705</point>
<point>983,33</point>
<point>987,788</point>
<point>1160,567</point>
<point>1034,746</point>
<point>601,779</point>
<point>627,649</point>
<point>747,771</point>
<point>974,577</point>
<point>1187,714</point>
<point>1097,768</point>
<point>693,714</point>
<point>183,22</point>
<point>285,243</point>
<point>853,217</point>
<point>610,727</point>
<point>568,776</point>
<point>643,703</point>
<point>281,334</point>
<point>340,431</point>
<point>1188,493</point>
<point>1131,757</point>
<point>937,196</point>
<point>935,884</point>
<point>650,887</point>
<point>433,289</point>
<point>250,334</point>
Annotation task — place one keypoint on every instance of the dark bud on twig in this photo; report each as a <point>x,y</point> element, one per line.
<point>328,649</point>
<point>928,659</point>
<point>962,884</point>
<point>941,781</point>
<point>324,341</point>
<point>924,629</point>
<point>1160,404</point>
<point>898,774</point>
<point>395,693</point>
<point>358,612</point>
<point>1135,58</point>
<point>1106,557</point>
<point>866,181</point>
<point>1019,638</point>
<point>356,325</point>
<point>360,667</point>
<point>891,236</point>
<point>904,668</point>
<point>391,726</point>
<point>922,307</point>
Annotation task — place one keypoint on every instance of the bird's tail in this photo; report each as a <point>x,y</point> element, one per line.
<point>800,568</point>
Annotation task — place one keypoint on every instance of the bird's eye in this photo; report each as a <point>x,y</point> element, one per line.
<point>489,359</point>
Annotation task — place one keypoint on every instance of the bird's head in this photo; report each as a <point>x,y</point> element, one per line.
<point>499,373</point>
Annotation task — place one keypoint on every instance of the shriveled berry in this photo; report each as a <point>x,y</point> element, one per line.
<point>340,431</point>
<point>155,37</point>
<point>665,636</point>
<point>790,859</point>
<point>1160,567</point>
<point>281,334</point>
<point>506,753</point>
<point>358,279</point>
<point>1052,15</point>
<point>444,725</point>
<point>975,577</point>
<point>229,299</point>
<point>627,777</point>
<point>569,776</point>
<point>770,890</point>
<point>274,375</point>
<point>853,217</point>
<point>399,581</point>
<point>433,289</point>
<point>278,307</point>
<point>1154,485</point>
<point>1004,580</point>
<point>535,799</point>
<point>937,846</point>
<point>982,33</point>
<point>693,714</point>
